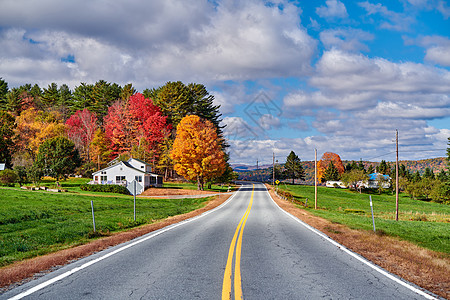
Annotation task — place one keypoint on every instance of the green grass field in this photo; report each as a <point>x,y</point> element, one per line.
<point>426,224</point>
<point>38,222</point>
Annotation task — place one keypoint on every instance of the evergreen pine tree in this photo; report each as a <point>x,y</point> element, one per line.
<point>3,92</point>
<point>331,173</point>
<point>294,168</point>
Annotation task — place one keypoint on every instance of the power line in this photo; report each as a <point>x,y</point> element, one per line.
<point>406,151</point>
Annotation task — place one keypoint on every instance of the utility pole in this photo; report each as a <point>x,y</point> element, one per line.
<point>396,175</point>
<point>273,169</point>
<point>315,178</point>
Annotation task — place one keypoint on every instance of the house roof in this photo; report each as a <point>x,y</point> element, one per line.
<point>374,176</point>
<point>126,164</point>
<point>141,161</point>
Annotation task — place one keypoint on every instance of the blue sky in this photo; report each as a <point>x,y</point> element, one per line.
<point>337,76</point>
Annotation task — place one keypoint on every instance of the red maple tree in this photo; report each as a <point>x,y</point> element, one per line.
<point>81,128</point>
<point>131,122</point>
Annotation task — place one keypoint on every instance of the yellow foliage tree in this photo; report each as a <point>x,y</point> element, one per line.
<point>34,127</point>
<point>196,151</point>
<point>99,149</point>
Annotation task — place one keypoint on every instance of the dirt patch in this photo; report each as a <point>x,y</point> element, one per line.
<point>427,269</point>
<point>171,192</point>
<point>23,271</point>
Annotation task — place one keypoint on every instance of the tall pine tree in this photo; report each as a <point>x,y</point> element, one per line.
<point>294,168</point>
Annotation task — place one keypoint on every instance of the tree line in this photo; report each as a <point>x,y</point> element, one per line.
<point>428,186</point>
<point>101,121</point>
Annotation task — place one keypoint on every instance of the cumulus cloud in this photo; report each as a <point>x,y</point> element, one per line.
<point>332,9</point>
<point>341,71</point>
<point>149,43</point>
<point>437,49</point>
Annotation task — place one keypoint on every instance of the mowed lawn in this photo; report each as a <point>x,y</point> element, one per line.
<point>37,222</point>
<point>426,224</point>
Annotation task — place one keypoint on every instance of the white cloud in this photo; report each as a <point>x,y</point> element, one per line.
<point>268,122</point>
<point>407,111</point>
<point>148,43</point>
<point>332,9</point>
<point>297,101</point>
<point>443,8</point>
<point>345,39</point>
<point>437,49</point>
<point>341,71</point>
<point>392,20</point>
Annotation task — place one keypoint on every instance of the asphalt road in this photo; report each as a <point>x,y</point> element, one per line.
<point>269,254</point>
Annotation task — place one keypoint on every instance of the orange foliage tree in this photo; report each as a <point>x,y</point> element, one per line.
<point>324,162</point>
<point>196,151</point>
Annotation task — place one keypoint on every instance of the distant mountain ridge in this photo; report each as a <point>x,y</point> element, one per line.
<point>264,172</point>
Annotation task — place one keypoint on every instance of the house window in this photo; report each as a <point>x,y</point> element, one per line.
<point>138,178</point>
<point>96,178</point>
<point>120,179</point>
<point>142,167</point>
<point>103,178</point>
<point>103,172</point>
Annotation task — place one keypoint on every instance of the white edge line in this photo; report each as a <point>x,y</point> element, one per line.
<point>353,254</point>
<point>74,270</point>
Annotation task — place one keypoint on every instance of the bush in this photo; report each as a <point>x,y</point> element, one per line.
<point>8,177</point>
<point>105,188</point>
<point>21,175</point>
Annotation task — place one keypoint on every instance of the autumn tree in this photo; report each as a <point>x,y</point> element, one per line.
<point>58,157</point>
<point>34,127</point>
<point>324,163</point>
<point>196,151</point>
<point>100,151</point>
<point>81,127</point>
<point>293,167</point>
<point>130,123</point>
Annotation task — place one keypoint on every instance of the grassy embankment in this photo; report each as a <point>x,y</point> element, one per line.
<point>33,223</point>
<point>426,224</point>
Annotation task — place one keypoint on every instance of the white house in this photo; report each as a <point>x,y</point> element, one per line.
<point>333,184</point>
<point>123,172</point>
<point>2,166</point>
<point>373,181</point>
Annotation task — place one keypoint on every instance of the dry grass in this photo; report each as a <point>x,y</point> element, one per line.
<point>425,268</point>
<point>26,269</point>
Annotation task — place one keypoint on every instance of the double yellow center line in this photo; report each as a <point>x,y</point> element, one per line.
<point>226,287</point>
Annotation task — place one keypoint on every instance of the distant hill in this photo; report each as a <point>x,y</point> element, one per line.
<point>264,172</point>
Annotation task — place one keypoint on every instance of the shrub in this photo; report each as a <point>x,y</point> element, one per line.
<point>8,177</point>
<point>105,188</point>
